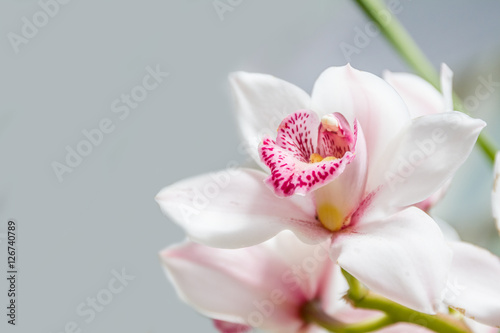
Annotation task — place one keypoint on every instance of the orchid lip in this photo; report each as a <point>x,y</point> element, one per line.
<point>309,152</point>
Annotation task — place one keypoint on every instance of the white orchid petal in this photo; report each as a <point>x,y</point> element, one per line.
<point>365,97</point>
<point>424,99</point>
<point>262,101</point>
<point>404,258</point>
<point>423,157</point>
<point>234,208</point>
<point>418,94</point>
<point>428,203</point>
<point>447,87</point>
<point>474,283</point>
<point>478,327</point>
<point>449,233</point>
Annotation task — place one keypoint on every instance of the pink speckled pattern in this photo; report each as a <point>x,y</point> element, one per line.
<point>300,135</point>
<point>337,143</point>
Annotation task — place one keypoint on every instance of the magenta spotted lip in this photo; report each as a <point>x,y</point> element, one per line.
<point>308,152</point>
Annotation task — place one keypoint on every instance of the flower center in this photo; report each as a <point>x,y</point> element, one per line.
<point>316,158</point>
<point>330,217</point>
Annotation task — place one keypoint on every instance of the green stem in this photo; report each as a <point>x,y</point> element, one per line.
<point>360,297</point>
<point>404,44</point>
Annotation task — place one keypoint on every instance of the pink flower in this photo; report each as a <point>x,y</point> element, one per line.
<point>263,286</point>
<point>374,161</point>
<point>266,286</point>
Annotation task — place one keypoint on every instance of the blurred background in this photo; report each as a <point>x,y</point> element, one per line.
<point>82,224</point>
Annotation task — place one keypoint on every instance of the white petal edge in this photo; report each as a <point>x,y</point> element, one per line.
<point>418,94</point>
<point>473,286</point>
<point>478,327</point>
<point>449,233</point>
<point>234,208</point>
<point>262,102</point>
<point>404,258</point>
<point>495,194</point>
<point>447,87</point>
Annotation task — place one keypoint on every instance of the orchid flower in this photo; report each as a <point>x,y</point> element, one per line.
<point>423,99</point>
<point>372,160</point>
<point>263,286</point>
<point>495,195</point>
<point>269,286</point>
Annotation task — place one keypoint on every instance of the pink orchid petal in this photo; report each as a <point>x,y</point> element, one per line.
<point>262,101</point>
<point>226,327</point>
<point>298,133</point>
<point>474,283</point>
<point>365,97</point>
<point>424,156</point>
<point>261,286</point>
<point>404,258</point>
<point>495,195</point>
<point>234,208</point>
<point>289,157</point>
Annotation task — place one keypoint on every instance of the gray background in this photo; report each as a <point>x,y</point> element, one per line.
<point>102,216</point>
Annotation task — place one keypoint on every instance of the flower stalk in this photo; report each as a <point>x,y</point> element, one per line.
<point>408,49</point>
<point>360,297</point>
